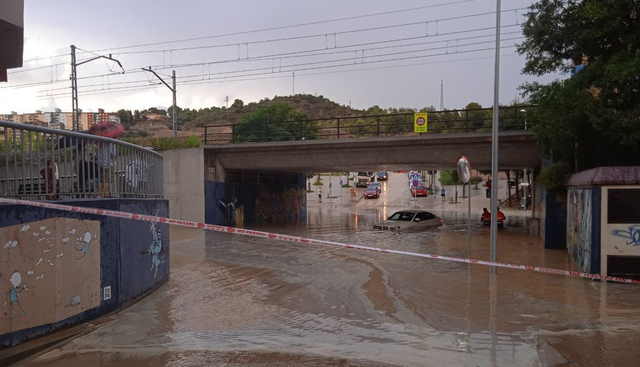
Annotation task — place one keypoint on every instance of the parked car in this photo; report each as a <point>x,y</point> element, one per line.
<point>410,219</point>
<point>377,186</point>
<point>383,176</point>
<point>371,192</point>
<point>420,190</point>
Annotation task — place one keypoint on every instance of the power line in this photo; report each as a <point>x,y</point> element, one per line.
<point>287,26</point>
<point>250,77</point>
<point>342,59</point>
<point>360,30</point>
<point>304,53</point>
<point>131,89</point>
<point>280,55</point>
<point>288,68</point>
<point>263,29</point>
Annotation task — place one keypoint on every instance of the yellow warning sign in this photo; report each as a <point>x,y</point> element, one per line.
<point>420,122</point>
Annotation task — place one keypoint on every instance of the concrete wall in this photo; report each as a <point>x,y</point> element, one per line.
<point>183,172</point>
<point>60,268</point>
<point>583,227</point>
<point>184,183</point>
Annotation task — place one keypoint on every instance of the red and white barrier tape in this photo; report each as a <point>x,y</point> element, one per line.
<point>282,237</point>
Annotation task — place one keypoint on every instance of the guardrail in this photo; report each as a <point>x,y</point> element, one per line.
<point>39,163</point>
<point>512,118</point>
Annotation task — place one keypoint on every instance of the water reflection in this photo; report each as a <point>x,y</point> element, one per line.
<point>231,299</point>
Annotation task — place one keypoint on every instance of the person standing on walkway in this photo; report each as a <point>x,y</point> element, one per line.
<point>443,194</point>
<point>319,194</point>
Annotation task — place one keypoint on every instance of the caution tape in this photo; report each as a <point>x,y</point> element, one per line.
<point>303,240</point>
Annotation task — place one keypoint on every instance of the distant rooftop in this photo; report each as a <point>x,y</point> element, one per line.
<point>601,176</point>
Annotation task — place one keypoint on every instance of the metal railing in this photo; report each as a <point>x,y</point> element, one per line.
<point>512,118</point>
<point>39,163</point>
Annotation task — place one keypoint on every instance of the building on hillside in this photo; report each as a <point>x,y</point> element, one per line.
<point>36,118</point>
<point>13,117</point>
<point>603,221</point>
<point>153,116</point>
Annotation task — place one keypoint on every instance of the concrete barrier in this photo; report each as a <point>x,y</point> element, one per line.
<point>59,269</point>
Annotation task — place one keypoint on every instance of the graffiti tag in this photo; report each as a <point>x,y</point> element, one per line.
<point>632,235</point>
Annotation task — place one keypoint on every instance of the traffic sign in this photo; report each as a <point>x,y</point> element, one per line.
<point>415,183</point>
<point>420,122</point>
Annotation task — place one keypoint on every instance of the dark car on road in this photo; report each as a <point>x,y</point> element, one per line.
<point>377,186</point>
<point>383,176</point>
<point>372,192</point>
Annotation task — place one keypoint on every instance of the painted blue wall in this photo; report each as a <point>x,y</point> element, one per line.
<point>555,225</point>
<point>124,260</point>
<point>583,227</point>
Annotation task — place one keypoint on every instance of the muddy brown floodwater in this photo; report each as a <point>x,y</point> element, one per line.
<point>237,301</point>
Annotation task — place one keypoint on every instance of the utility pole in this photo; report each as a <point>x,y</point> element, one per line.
<point>172,89</point>
<point>74,91</point>
<point>226,101</point>
<point>174,114</point>
<point>293,83</point>
<point>75,111</point>
<point>441,95</point>
<point>494,144</point>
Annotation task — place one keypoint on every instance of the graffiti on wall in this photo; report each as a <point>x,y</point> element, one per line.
<point>579,227</point>
<point>156,250</point>
<point>49,271</point>
<point>279,206</point>
<point>234,211</point>
<point>631,235</point>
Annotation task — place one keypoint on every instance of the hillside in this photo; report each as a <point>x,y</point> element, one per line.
<point>193,119</point>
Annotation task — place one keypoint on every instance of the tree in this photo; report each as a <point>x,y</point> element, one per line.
<point>237,105</point>
<point>276,121</point>
<point>124,116</point>
<point>449,178</point>
<point>592,117</point>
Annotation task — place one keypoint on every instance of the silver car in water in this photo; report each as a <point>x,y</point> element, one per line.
<point>410,219</point>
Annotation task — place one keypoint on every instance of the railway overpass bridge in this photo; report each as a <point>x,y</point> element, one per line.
<point>267,179</point>
<point>517,150</point>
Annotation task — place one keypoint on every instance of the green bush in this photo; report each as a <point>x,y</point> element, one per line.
<point>171,144</point>
<point>554,177</point>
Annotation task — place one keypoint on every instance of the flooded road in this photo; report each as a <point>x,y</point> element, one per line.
<point>238,301</point>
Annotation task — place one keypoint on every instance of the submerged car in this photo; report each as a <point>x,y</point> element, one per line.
<point>410,219</point>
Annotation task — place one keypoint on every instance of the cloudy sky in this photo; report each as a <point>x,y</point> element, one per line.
<point>251,49</point>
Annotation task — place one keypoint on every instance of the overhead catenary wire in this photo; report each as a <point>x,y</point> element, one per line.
<point>316,35</point>
<point>289,68</point>
<point>251,77</point>
<point>277,55</point>
<point>286,26</point>
<point>327,61</point>
<point>150,87</point>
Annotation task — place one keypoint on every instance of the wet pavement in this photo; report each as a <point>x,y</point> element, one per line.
<point>237,301</point>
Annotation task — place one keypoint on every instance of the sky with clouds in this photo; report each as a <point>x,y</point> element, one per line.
<point>397,59</point>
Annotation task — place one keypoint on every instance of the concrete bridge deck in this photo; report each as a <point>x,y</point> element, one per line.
<point>517,150</point>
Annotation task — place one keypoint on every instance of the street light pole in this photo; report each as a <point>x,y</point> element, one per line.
<point>173,90</point>
<point>494,143</point>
